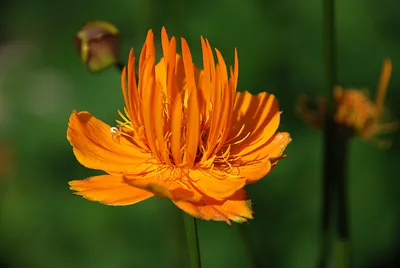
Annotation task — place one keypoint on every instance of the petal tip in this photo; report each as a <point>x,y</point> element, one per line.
<point>74,185</point>
<point>163,31</point>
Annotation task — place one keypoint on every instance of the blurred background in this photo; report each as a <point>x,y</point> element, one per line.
<point>280,46</point>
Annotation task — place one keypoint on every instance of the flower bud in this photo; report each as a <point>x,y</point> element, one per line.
<point>98,45</point>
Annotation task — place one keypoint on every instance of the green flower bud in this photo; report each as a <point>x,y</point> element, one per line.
<point>98,45</point>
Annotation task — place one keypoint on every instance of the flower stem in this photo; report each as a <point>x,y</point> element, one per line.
<point>192,240</point>
<point>328,192</point>
<point>343,230</point>
<point>245,236</point>
<point>335,157</point>
<point>330,50</point>
<point>330,159</point>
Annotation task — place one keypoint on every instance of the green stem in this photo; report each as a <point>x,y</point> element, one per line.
<point>335,149</point>
<point>330,167</point>
<point>245,236</point>
<point>336,140</point>
<point>192,240</point>
<point>343,230</point>
<point>335,203</point>
<point>330,51</point>
<point>329,192</point>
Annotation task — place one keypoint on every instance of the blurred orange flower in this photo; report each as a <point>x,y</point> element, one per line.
<point>185,134</point>
<point>6,160</point>
<point>2,160</point>
<point>354,109</point>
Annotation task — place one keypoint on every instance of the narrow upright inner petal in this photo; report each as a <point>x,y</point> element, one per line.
<point>181,114</point>
<point>148,102</point>
<point>176,126</point>
<point>193,120</point>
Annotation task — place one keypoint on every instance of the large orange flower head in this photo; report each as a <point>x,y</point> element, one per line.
<point>185,134</point>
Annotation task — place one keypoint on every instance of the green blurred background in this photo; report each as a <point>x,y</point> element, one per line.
<point>280,47</point>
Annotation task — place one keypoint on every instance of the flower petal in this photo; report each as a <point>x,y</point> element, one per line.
<point>109,190</point>
<point>255,143</point>
<point>260,116</point>
<point>236,208</point>
<point>96,148</point>
<point>172,190</point>
<point>167,183</point>
<point>215,183</point>
<point>255,165</point>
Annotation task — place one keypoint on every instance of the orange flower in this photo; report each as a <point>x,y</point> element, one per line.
<point>185,134</point>
<point>354,110</point>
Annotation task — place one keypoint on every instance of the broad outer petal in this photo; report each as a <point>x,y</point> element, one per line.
<point>174,189</point>
<point>258,147</point>
<point>109,190</point>
<point>236,208</point>
<point>96,148</point>
<point>258,163</point>
<point>215,183</point>
<point>260,116</point>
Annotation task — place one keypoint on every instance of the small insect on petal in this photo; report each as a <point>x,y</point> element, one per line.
<point>98,45</point>
<point>115,132</point>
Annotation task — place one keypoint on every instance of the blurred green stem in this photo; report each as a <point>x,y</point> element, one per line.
<point>335,157</point>
<point>330,52</point>
<point>344,258</point>
<point>335,223</point>
<point>192,240</point>
<point>328,195</point>
<point>245,236</point>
